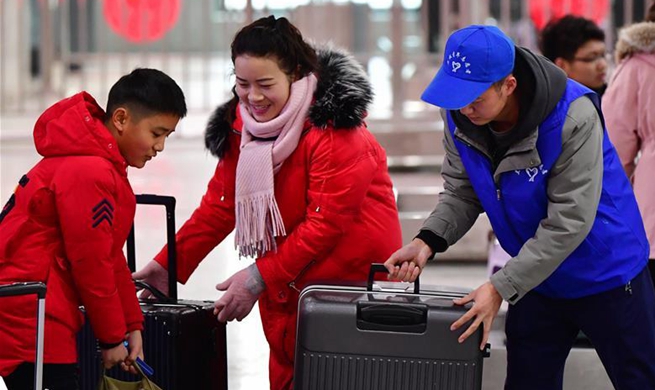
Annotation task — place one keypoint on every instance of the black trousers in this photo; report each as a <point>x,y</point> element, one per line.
<point>651,267</point>
<point>620,323</point>
<point>55,377</point>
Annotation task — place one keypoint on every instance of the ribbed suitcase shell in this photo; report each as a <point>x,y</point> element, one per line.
<point>333,352</point>
<point>183,342</point>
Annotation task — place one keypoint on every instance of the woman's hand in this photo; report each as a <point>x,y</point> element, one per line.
<point>241,292</point>
<point>155,275</point>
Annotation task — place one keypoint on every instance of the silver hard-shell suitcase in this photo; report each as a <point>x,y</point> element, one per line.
<point>376,338</point>
<point>28,288</point>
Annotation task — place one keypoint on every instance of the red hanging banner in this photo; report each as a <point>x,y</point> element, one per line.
<point>141,21</point>
<point>541,11</point>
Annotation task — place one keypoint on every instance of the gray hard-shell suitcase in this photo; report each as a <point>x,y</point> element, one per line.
<point>377,338</point>
<point>28,288</point>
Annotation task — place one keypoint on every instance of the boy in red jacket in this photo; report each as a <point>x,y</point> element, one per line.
<point>68,220</point>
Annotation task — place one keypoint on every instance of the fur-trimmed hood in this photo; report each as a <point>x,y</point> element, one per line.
<point>341,100</point>
<point>636,38</point>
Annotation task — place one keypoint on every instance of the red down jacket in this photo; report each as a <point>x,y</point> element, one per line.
<point>66,225</point>
<point>334,194</point>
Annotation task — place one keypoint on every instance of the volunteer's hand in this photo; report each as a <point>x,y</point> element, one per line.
<point>487,302</point>
<point>135,346</point>
<point>113,356</point>
<point>155,275</point>
<point>241,292</point>
<point>407,262</point>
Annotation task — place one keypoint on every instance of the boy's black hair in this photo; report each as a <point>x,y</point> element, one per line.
<point>563,37</point>
<point>147,92</point>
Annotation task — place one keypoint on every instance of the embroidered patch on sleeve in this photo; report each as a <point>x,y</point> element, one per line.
<point>103,211</point>
<point>12,199</point>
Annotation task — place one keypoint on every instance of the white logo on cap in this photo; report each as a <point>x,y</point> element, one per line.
<point>455,60</point>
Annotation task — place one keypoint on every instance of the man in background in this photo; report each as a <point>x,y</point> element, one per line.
<point>577,45</point>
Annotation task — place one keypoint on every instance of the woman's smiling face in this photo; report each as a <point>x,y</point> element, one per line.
<point>262,86</point>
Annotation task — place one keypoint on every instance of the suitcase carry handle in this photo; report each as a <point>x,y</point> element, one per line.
<point>40,289</point>
<point>159,296</point>
<point>386,317</point>
<point>169,203</point>
<point>380,268</point>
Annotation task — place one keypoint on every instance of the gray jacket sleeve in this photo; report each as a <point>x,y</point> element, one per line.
<point>574,189</point>
<point>458,206</point>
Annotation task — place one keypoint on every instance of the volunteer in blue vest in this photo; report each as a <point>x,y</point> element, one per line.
<point>527,146</point>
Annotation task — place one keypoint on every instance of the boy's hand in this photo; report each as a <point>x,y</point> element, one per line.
<point>407,262</point>
<point>135,343</point>
<point>113,356</point>
<point>241,292</point>
<point>155,275</point>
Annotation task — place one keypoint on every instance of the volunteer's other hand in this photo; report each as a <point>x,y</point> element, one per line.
<point>486,304</point>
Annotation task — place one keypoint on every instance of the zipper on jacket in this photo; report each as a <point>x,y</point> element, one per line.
<point>320,197</point>
<point>502,206</point>
<point>302,272</point>
<point>628,288</point>
<point>222,161</point>
<point>497,184</point>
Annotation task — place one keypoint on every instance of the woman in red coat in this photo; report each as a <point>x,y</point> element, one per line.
<point>300,179</point>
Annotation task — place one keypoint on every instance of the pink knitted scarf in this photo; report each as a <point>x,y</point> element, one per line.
<point>258,219</point>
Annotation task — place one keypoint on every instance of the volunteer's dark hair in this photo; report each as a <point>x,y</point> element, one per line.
<point>563,37</point>
<point>147,92</point>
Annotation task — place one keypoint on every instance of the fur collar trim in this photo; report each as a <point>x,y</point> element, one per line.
<point>636,38</point>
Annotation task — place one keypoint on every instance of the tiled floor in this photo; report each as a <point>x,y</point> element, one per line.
<point>183,171</point>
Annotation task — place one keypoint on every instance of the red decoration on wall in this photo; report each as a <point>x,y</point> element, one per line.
<point>541,11</point>
<point>141,21</point>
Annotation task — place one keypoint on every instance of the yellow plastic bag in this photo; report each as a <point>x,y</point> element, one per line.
<point>108,383</point>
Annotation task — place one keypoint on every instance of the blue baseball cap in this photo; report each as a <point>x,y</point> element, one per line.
<point>476,57</point>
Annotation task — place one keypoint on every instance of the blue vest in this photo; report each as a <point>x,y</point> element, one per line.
<point>615,250</point>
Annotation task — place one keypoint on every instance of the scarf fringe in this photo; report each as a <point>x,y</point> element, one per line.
<point>258,223</point>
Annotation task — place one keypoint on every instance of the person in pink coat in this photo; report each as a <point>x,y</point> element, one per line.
<point>629,108</point>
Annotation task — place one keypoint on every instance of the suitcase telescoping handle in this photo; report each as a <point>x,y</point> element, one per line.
<point>380,268</point>
<point>27,288</point>
<point>169,203</point>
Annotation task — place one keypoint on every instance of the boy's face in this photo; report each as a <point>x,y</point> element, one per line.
<point>588,66</point>
<point>141,138</point>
